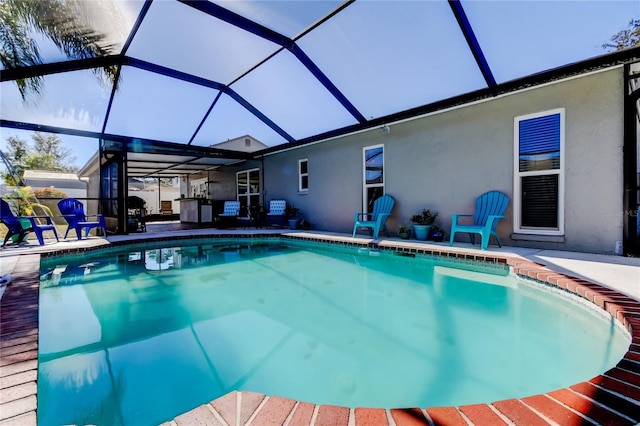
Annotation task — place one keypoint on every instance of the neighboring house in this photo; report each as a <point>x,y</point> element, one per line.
<point>69,183</point>
<point>244,143</point>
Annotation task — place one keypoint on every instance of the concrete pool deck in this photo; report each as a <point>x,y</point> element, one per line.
<point>610,282</point>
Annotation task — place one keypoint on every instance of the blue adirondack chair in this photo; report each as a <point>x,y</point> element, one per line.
<point>15,227</point>
<point>73,212</point>
<point>490,208</point>
<point>377,219</point>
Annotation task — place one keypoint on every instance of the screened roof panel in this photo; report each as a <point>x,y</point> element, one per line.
<point>74,100</point>
<point>524,37</point>
<point>290,71</point>
<point>229,120</point>
<point>157,165</point>
<point>153,106</point>
<point>197,43</point>
<point>289,18</point>
<point>284,90</point>
<point>156,158</point>
<point>424,58</point>
<point>148,165</point>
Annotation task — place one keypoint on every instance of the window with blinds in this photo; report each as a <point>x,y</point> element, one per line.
<point>539,173</point>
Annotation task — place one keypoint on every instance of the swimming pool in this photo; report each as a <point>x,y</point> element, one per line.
<point>170,328</point>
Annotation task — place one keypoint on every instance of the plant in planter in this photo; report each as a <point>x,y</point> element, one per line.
<point>437,232</point>
<point>292,214</point>
<point>423,223</point>
<point>404,231</point>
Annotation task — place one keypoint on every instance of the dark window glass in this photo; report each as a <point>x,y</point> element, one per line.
<point>540,201</point>
<point>372,195</point>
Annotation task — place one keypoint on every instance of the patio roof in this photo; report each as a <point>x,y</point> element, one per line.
<point>191,74</point>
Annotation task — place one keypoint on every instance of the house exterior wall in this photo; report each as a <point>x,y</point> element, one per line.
<point>445,160</point>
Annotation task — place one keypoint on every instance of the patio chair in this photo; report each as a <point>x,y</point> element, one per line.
<point>16,227</point>
<point>166,207</point>
<point>490,208</point>
<point>276,214</point>
<point>229,216</point>
<point>377,219</point>
<point>73,212</point>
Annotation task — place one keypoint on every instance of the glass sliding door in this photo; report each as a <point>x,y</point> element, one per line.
<point>113,186</point>
<point>248,190</point>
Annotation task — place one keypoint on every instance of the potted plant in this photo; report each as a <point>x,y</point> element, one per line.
<point>404,231</point>
<point>423,223</point>
<point>437,232</point>
<point>292,214</point>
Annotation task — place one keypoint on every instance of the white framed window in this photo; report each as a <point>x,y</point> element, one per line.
<point>539,141</point>
<point>303,175</point>
<point>373,175</point>
<point>248,189</point>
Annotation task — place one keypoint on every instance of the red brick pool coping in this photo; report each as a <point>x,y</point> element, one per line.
<point>612,398</point>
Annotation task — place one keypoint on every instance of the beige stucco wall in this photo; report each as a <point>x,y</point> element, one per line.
<point>444,161</point>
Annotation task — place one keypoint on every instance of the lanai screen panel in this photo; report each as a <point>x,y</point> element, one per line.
<point>180,37</point>
<point>73,100</point>
<point>288,18</point>
<point>520,38</point>
<point>152,106</point>
<point>391,56</point>
<point>284,90</point>
<point>229,120</point>
<point>383,56</point>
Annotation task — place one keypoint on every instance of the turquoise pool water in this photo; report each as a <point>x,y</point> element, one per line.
<point>142,335</point>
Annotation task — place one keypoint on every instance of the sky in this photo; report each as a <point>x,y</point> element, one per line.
<point>383,56</point>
